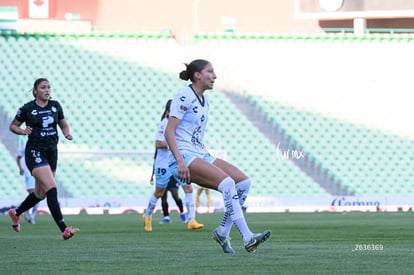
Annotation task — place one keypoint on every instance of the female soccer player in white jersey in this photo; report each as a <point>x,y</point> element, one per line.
<point>192,162</point>
<point>163,175</point>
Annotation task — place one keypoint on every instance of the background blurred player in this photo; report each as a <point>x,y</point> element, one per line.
<point>163,174</point>
<point>173,189</point>
<point>29,181</point>
<point>200,190</point>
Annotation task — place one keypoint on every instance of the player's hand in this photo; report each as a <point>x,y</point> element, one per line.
<point>152,181</point>
<point>68,137</point>
<point>183,173</point>
<point>27,131</point>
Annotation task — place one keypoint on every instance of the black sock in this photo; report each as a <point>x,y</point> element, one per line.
<point>28,203</point>
<point>179,203</point>
<point>164,205</point>
<point>54,207</point>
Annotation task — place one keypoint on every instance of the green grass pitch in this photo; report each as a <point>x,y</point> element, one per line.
<point>314,243</point>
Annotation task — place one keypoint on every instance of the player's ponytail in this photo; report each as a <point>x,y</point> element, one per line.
<point>195,66</point>
<point>167,109</point>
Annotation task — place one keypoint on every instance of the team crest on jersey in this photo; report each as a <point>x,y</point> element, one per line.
<point>183,108</point>
<point>54,109</point>
<point>34,112</point>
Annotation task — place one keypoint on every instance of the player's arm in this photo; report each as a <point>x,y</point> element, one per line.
<point>64,126</point>
<point>161,144</point>
<point>19,164</point>
<point>15,128</point>
<point>183,172</point>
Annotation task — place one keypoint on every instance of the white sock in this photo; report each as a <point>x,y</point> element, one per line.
<point>34,209</point>
<point>151,206</point>
<point>242,189</point>
<point>233,208</point>
<point>190,204</point>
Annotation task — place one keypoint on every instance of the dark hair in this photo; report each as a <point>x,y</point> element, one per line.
<point>36,84</point>
<point>167,109</point>
<point>195,66</point>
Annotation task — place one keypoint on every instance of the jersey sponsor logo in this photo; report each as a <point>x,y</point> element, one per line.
<point>203,117</point>
<point>195,109</point>
<point>54,109</point>
<point>182,98</point>
<point>195,138</point>
<point>34,112</point>
<point>47,120</point>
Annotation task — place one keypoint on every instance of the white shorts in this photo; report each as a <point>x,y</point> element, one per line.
<point>162,176</point>
<point>188,158</point>
<point>30,182</point>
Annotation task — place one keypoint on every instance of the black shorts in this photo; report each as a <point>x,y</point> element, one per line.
<point>172,184</point>
<point>35,158</point>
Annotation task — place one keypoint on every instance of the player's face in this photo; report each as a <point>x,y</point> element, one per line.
<point>43,91</point>
<point>208,76</point>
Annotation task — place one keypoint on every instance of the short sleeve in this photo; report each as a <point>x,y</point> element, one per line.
<point>59,111</point>
<point>159,135</point>
<point>179,105</point>
<point>20,115</point>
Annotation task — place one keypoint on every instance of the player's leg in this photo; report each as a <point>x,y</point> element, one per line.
<point>197,200</point>
<point>45,183</point>
<point>165,210</point>
<point>177,199</point>
<point>14,213</point>
<point>32,198</point>
<point>208,196</point>
<point>212,176</point>
<point>190,204</point>
<point>173,186</point>
<point>242,187</point>
<point>162,176</point>
<point>30,186</point>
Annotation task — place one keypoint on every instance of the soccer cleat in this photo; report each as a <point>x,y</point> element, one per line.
<point>194,225</point>
<point>166,220</point>
<point>183,217</point>
<point>15,219</point>
<point>224,242</point>
<point>147,223</point>
<point>251,246</point>
<point>69,232</point>
<point>27,216</point>
<point>32,219</point>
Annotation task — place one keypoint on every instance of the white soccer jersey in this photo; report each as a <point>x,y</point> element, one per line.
<point>193,114</point>
<point>163,154</point>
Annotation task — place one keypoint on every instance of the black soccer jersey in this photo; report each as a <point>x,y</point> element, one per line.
<point>43,121</point>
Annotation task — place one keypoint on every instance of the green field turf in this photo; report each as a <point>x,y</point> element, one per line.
<point>317,243</point>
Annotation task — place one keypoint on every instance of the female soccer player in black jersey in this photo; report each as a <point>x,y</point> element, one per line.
<point>41,116</point>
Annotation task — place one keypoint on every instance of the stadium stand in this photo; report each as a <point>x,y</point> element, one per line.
<point>350,144</point>
<point>112,87</point>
